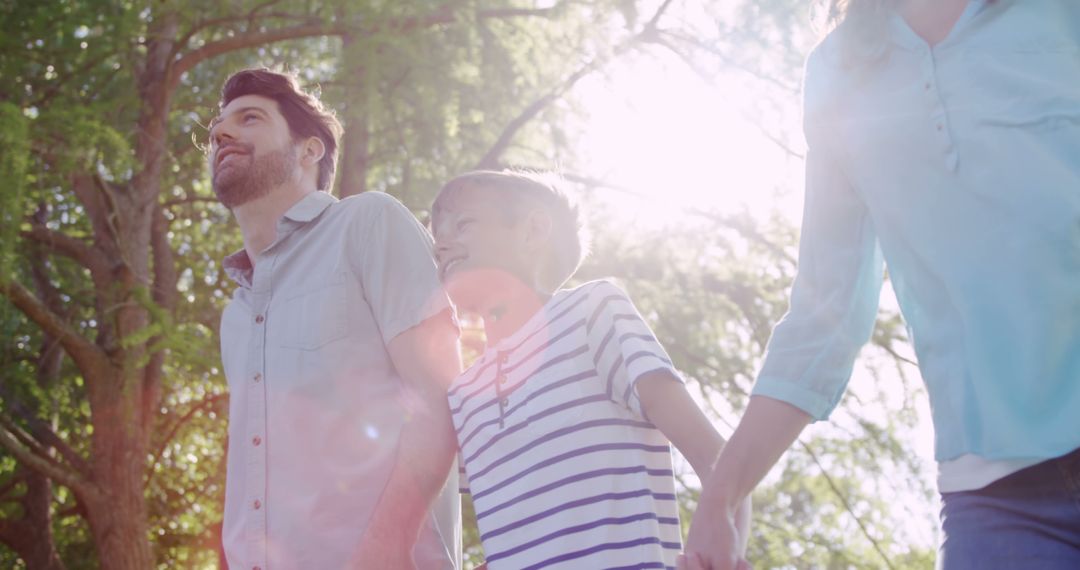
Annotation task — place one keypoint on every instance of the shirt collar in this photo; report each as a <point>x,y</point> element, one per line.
<point>310,206</point>
<point>239,268</point>
<point>238,265</point>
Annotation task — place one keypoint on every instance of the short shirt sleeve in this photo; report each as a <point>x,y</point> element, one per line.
<point>398,271</point>
<point>622,345</point>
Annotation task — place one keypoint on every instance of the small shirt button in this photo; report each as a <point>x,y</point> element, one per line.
<point>939,127</point>
<point>927,86</point>
<point>502,379</point>
<point>259,319</point>
<point>504,402</point>
<point>256,441</point>
<point>257,504</point>
<point>257,377</point>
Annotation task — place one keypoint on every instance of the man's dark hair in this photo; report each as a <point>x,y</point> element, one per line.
<point>305,114</point>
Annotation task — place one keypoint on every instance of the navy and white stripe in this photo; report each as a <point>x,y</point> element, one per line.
<point>564,468</point>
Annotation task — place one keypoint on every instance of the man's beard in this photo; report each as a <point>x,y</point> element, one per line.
<point>239,184</point>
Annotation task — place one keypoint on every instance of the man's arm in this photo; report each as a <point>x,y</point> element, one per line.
<point>671,409</point>
<point>427,359</point>
<point>765,432</point>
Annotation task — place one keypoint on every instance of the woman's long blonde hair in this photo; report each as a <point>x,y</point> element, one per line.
<point>862,26</point>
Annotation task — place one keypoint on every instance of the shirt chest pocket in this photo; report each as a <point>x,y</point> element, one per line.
<point>1029,84</point>
<point>315,317</point>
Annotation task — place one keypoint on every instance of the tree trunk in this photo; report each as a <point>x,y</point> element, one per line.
<point>118,515</point>
<point>118,518</point>
<point>31,536</point>
<point>355,153</point>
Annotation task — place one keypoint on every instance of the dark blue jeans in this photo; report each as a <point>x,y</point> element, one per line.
<point>1030,519</point>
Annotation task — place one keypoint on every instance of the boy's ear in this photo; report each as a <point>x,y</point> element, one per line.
<point>312,151</point>
<point>537,228</point>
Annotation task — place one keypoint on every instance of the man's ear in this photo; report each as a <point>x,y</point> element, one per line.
<point>312,151</point>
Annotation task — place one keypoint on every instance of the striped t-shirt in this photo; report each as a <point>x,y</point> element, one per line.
<point>564,469</point>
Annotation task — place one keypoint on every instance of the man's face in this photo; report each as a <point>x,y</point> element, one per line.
<point>479,251</point>
<point>251,150</point>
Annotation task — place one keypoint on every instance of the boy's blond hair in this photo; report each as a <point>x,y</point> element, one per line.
<point>515,193</point>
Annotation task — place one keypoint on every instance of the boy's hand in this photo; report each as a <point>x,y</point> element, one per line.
<point>716,542</point>
<point>374,553</point>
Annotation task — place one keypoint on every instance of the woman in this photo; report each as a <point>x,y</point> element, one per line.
<point>944,140</point>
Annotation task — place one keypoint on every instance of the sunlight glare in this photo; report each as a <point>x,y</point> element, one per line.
<point>669,142</point>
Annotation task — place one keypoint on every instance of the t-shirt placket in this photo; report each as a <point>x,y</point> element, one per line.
<point>500,387</point>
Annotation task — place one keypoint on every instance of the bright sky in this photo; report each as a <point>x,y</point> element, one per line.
<point>657,129</point>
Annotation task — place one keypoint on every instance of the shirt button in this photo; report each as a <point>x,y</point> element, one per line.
<point>257,377</point>
<point>256,441</point>
<point>259,319</point>
<point>927,86</point>
<point>504,402</point>
<point>939,127</point>
<point>257,504</point>
<point>502,379</point>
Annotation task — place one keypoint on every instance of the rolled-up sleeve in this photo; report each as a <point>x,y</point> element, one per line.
<point>835,295</point>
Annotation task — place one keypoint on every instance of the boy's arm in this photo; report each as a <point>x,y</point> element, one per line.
<point>671,409</point>
<point>427,359</point>
<point>766,430</point>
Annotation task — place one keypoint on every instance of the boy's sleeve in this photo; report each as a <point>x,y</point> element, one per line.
<point>622,345</point>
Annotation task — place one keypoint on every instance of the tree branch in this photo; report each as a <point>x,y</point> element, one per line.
<point>200,405</point>
<point>696,42</point>
<point>708,78</point>
<point>89,358</point>
<point>247,40</point>
<point>201,25</point>
<point>43,435</point>
<point>31,458</point>
<point>490,159</point>
<point>81,252</point>
<point>91,193</point>
<point>164,296</point>
<point>442,15</point>
<point>846,504</point>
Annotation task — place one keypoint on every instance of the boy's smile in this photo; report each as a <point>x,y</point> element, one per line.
<point>480,252</point>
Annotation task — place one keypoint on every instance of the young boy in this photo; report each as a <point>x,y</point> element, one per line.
<point>564,422</point>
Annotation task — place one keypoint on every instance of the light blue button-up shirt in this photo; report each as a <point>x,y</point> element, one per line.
<point>959,167</point>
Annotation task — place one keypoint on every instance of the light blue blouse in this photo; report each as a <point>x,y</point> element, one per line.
<point>958,166</point>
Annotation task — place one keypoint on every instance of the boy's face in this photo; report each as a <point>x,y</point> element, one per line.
<point>480,252</point>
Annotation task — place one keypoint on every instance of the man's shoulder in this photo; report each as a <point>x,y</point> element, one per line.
<point>371,210</point>
<point>371,202</point>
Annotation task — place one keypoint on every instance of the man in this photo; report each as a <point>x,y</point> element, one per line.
<point>944,138</point>
<point>338,346</point>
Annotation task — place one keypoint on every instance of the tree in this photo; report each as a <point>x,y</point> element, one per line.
<point>107,191</point>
